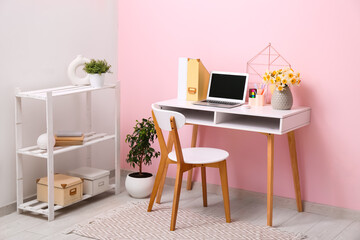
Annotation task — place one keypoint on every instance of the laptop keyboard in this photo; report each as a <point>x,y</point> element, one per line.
<point>220,102</point>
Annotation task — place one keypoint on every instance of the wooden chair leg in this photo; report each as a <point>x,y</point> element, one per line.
<point>225,189</point>
<point>203,181</point>
<point>193,144</point>
<point>156,184</point>
<point>161,187</point>
<point>177,190</point>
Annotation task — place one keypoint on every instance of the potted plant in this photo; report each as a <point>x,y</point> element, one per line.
<point>139,184</point>
<point>96,70</point>
<point>281,98</point>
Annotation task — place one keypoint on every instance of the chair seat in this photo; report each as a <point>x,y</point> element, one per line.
<point>201,155</point>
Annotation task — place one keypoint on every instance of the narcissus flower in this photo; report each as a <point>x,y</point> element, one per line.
<point>282,78</point>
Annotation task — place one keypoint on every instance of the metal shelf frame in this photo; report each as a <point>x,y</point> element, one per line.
<point>47,95</point>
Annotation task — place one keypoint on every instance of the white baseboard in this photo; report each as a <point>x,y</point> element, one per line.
<point>322,209</point>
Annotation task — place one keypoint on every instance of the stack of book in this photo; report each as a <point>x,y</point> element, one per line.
<point>69,138</point>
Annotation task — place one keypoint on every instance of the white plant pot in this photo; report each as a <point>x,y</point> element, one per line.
<point>139,187</point>
<point>97,80</point>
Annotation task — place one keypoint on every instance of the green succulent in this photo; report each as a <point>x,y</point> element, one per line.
<point>97,67</point>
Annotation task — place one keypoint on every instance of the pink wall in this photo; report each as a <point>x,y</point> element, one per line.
<point>319,38</point>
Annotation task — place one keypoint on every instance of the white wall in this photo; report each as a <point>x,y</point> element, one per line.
<point>38,40</point>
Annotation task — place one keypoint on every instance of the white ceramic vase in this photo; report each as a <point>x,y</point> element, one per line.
<point>139,187</point>
<point>74,65</point>
<point>282,100</point>
<point>97,80</point>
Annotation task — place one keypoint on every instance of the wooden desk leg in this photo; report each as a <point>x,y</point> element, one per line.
<point>270,177</point>
<point>193,144</point>
<point>295,170</point>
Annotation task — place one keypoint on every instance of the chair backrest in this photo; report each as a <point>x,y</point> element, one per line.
<point>163,118</point>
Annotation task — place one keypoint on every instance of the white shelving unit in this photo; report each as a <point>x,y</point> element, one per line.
<point>91,138</point>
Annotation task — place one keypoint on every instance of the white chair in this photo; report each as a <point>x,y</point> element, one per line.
<point>185,159</point>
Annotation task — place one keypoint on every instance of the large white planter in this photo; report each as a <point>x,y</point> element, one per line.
<point>139,187</point>
<point>97,80</point>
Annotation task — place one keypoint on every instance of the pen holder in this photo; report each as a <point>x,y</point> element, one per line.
<point>252,101</point>
<point>260,100</point>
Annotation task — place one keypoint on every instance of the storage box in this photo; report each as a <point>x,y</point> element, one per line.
<point>197,80</point>
<point>67,189</point>
<point>95,180</point>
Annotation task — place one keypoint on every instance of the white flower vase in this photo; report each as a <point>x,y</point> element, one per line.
<point>282,100</point>
<point>97,80</point>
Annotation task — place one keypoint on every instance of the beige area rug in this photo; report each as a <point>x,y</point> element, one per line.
<point>132,221</point>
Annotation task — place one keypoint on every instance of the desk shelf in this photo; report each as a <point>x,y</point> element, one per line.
<point>195,116</point>
<point>248,123</point>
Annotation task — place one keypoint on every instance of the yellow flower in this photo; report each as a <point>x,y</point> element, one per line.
<point>282,78</point>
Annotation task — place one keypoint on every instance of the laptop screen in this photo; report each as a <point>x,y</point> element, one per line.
<point>227,86</point>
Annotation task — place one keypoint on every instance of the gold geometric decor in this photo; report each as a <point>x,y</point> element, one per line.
<point>267,59</point>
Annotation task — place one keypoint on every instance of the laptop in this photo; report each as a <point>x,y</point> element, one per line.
<point>226,90</point>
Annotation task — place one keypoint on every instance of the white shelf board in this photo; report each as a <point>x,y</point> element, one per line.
<point>42,207</point>
<point>37,152</point>
<point>249,126</point>
<point>60,91</point>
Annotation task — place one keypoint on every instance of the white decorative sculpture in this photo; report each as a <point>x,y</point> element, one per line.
<point>77,62</point>
<point>42,141</point>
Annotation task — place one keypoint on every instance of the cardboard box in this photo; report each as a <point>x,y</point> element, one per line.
<point>67,189</point>
<point>95,180</point>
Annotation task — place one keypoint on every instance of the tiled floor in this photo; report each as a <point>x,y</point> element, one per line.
<point>29,226</point>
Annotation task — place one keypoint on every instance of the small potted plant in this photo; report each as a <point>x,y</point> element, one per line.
<point>139,184</point>
<point>96,70</point>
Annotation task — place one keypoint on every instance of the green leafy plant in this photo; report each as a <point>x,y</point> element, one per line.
<point>140,142</point>
<point>97,67</point>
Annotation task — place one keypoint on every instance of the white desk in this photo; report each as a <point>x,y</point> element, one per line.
<point>263,120</point>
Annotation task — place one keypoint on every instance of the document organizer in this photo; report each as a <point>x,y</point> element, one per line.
<point>197,80</point>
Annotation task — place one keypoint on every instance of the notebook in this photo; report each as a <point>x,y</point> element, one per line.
<point>225,90</point>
